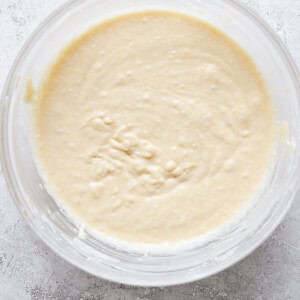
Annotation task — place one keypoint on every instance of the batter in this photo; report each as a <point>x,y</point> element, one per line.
<point>154,127</point>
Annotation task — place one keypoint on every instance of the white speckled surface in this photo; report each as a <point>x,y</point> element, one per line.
<point>29,270</point>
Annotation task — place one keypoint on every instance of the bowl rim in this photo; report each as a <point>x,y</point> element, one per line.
<point>14,189</point>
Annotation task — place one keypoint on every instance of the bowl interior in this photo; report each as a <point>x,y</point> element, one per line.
<point>82,248</point>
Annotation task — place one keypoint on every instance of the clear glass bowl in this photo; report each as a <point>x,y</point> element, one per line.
<point>80,248</point>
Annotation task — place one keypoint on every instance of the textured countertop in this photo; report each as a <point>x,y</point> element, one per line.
<point>29,270</point>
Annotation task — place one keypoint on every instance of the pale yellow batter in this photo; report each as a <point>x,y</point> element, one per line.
<point>154,127</point>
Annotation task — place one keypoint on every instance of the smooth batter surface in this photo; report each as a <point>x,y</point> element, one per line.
<point>154,127</point>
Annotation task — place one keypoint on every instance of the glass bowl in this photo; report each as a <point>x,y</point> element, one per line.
<point>83,249</point>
